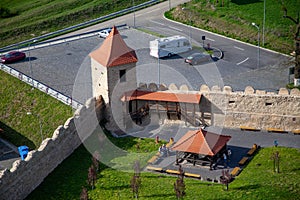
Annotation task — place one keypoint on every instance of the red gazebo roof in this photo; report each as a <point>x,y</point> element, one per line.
<point>201,142</point>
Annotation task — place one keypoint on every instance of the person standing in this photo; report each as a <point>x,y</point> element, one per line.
<point>229,154</point>
<point>225,160</point>
<point>164,150</point>
<point>160,150</point>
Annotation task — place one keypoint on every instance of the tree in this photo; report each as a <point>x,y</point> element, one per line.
<point>84,194</point>
<point>226,178</point>
<point>92,176</point>
<point>96,161</point>
<point>136,179</point>
<point>179,186</point>
<point>297,44</point>
<point>275,158</point>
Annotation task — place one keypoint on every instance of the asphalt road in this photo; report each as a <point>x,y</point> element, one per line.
<point>65,66</point>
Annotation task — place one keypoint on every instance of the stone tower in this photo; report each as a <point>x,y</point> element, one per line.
<point>113,68</point>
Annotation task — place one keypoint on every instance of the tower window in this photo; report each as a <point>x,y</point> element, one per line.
<point>123,75</point>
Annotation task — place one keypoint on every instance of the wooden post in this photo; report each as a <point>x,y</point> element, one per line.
<point>194,114</point>
<point>185,113</point>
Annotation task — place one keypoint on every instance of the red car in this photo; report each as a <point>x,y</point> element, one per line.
<point>13,56</point>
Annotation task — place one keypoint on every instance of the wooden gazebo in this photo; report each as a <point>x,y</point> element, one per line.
<point>200,147</point>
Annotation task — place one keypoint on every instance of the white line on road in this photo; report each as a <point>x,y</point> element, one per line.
<point>239,48</point>
<point>172,27</point>
<point>210,39</point>
<point>152,10</point>
<point>156,22</point>
<point>242,61</point>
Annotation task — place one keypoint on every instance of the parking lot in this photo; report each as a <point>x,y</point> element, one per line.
<point>66,68</point>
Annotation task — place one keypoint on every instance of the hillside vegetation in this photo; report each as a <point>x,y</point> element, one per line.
<point>16,100</point>
<point>25,19</point>
<point>234,19</point>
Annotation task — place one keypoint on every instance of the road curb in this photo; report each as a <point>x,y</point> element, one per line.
<point>217,53</point>
<point>219,35</point>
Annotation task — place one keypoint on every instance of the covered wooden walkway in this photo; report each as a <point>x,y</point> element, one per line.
<point>176,106</point>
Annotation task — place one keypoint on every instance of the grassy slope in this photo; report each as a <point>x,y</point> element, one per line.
<point>40,17</point>
<point>17,98</point>
<point>235,18</point>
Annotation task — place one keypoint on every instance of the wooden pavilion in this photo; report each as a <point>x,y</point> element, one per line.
<point>201,147</point>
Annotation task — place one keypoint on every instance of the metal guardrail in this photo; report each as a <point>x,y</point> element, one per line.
<point>42,87</point>
<point>81,25</point>
<point>67,39</point>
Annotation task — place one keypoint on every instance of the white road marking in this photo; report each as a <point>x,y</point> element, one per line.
<point>152,10</point>
<point>239,48</point>
<point>156,22</point>
<point>242,61</point>
<point>172,27</point>
<point>210,39</point>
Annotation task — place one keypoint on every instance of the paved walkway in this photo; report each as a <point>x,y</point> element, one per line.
<point>8,154</point>
<point>240,144</point>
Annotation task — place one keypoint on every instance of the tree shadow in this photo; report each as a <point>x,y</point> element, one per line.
<point>248,187</point>
<point>116,188</point>
<point>243,2</point>
<point>15,137</point>
<point>159,195</point>
<point>295,169</point>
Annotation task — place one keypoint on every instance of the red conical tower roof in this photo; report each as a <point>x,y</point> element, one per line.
<point>114,51</point>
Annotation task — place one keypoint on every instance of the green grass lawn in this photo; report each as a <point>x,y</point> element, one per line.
<point>235,17</point>
<point>18,98</point>
<point>256,181</point>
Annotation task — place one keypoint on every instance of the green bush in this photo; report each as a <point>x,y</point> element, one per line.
<point>6,13</point>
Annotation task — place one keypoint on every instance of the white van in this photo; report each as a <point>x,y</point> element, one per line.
<point>169,46</point>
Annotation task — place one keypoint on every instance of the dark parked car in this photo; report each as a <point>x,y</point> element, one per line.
<point>13,57</point>
<point>198,58</point>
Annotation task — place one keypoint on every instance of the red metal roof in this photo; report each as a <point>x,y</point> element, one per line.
<point>162,96</point>
<point>201,142</point>
<point>114,51</point>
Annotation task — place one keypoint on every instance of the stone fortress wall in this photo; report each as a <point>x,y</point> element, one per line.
<point>257,109</point>
<point>24,176</point>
